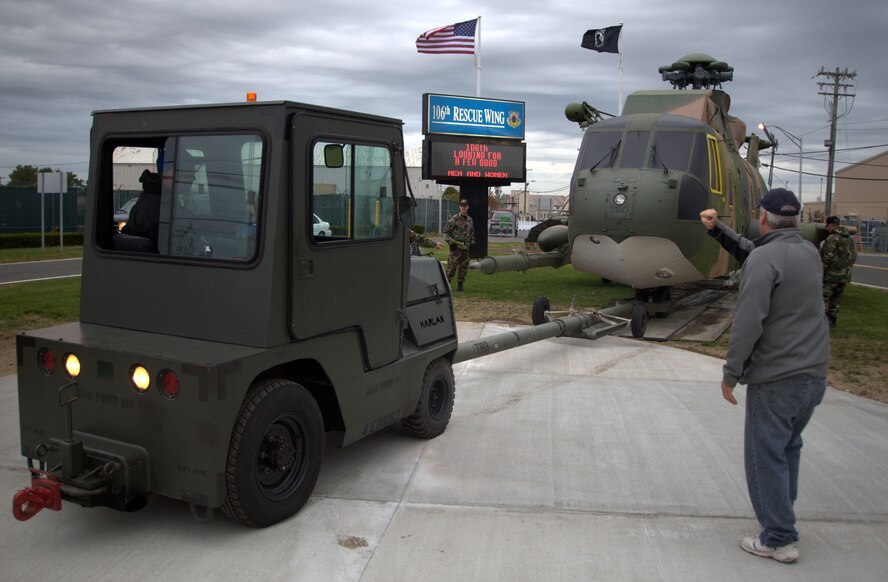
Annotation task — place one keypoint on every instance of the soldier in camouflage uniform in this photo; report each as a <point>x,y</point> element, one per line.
<point>459,234</point>
<point>837,253</point>
<point>418,240</point>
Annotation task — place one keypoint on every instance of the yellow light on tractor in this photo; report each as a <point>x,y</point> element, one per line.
<point>140,378</point>
<point>251,97</point>
<point>72,365</point>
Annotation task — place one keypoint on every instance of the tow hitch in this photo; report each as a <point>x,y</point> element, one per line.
<point>45,492</point>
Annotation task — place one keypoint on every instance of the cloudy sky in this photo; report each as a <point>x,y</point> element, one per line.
<point>60,61</point>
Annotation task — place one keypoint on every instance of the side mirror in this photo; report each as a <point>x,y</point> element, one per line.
<point>333,155</point>
<point>405,211</point>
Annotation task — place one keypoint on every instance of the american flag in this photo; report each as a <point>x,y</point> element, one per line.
<point>453,39</point>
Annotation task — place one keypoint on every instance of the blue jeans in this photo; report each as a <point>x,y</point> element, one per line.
<point>776,414</point>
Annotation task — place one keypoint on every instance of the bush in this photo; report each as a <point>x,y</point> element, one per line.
<point>31,240</point>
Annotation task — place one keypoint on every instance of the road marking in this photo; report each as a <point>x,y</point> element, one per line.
<point>41,279</point>
<point>870,286</point>
<point>872,267</point>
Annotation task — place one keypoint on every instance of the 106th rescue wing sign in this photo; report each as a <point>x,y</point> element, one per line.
<point>471,116</point>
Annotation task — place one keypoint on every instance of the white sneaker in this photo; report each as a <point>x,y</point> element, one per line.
<point>786,554</point>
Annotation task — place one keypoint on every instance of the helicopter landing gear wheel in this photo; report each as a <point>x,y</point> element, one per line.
<point>638,323</point>
<point>540,307</point>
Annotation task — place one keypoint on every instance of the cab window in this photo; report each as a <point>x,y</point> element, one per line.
<point>196,196</point>
<point>351,192</point>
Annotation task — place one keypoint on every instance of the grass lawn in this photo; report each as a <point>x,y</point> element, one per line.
<point>859,342</point>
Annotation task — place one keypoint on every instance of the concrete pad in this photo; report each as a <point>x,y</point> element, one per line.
<point>443,543</point>
<point>564,460</point>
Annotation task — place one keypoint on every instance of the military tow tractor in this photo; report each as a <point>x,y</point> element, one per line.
<point>222,339</point>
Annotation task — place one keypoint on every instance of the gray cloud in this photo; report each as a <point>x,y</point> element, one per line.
<point>59,65</point>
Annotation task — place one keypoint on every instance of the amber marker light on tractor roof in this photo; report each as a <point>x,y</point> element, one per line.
<point>72,365</point>
<point>251,97</point>
<point>140,378</point>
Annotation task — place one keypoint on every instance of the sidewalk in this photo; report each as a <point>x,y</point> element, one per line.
<point>564,460</point>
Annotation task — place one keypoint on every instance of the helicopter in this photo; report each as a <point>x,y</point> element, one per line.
<point>640,182</point>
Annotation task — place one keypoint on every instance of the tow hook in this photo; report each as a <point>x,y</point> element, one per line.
<point>45,492</point>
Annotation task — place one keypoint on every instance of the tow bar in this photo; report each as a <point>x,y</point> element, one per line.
<point>45,492</point>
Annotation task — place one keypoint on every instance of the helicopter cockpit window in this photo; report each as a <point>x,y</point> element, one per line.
<point>600,149</point>
<point>671,150</point>
<point>635,147</point>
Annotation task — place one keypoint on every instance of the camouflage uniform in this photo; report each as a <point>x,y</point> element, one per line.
<point>837,255</point>
<point>459,234</point>
<point>417,241</point>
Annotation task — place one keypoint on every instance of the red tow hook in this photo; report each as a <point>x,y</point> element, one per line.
<point>45,491</point>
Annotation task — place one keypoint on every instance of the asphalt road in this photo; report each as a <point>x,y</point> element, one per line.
<point>39,270</point>
<point>871,270</point>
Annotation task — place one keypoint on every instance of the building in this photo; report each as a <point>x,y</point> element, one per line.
<point>129,163</point>
<point>861,189</point>
<point>536,206</point>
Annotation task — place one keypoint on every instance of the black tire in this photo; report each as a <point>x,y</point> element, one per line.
<point>540,306</point>
<point>638,324</point>
<point>275,454</point>
<point>435,402</point>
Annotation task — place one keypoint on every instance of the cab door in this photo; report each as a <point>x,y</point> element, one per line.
<point>348,278</point>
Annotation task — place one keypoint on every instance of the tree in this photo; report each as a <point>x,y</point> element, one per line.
<point>27,176</point>
<point>23,176</point>
<point>451,193</point>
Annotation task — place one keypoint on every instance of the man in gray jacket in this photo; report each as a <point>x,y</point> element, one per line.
<point>779,347</point>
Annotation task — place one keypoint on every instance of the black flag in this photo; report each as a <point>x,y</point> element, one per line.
<point>603,40</point>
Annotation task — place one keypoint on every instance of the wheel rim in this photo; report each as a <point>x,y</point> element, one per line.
<point>438,398</point>
<point>282,458</point>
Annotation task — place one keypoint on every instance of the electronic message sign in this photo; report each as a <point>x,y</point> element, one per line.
<point>472,116</point>
<point>479,160</point>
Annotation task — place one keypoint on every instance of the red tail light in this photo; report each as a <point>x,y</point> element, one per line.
<point>169,383</point>
<point>46,360</point>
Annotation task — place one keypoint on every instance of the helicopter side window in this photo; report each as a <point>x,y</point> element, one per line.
<point>635,147</point>
<point>715,168</point>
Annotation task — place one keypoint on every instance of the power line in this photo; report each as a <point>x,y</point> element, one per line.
<point>824,175</point>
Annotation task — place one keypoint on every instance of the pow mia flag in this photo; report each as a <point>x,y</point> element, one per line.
<point>603,40</point>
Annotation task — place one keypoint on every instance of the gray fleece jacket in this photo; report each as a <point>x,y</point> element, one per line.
<point>780,327</point>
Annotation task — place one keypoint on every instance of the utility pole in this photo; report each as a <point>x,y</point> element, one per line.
<point>833,90</point>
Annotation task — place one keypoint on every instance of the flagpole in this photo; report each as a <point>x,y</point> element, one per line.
<point>478,58</point>
<point>619,47</point>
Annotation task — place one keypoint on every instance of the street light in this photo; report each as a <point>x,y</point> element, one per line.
<point>796,141</point>
<point>526,182</point>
